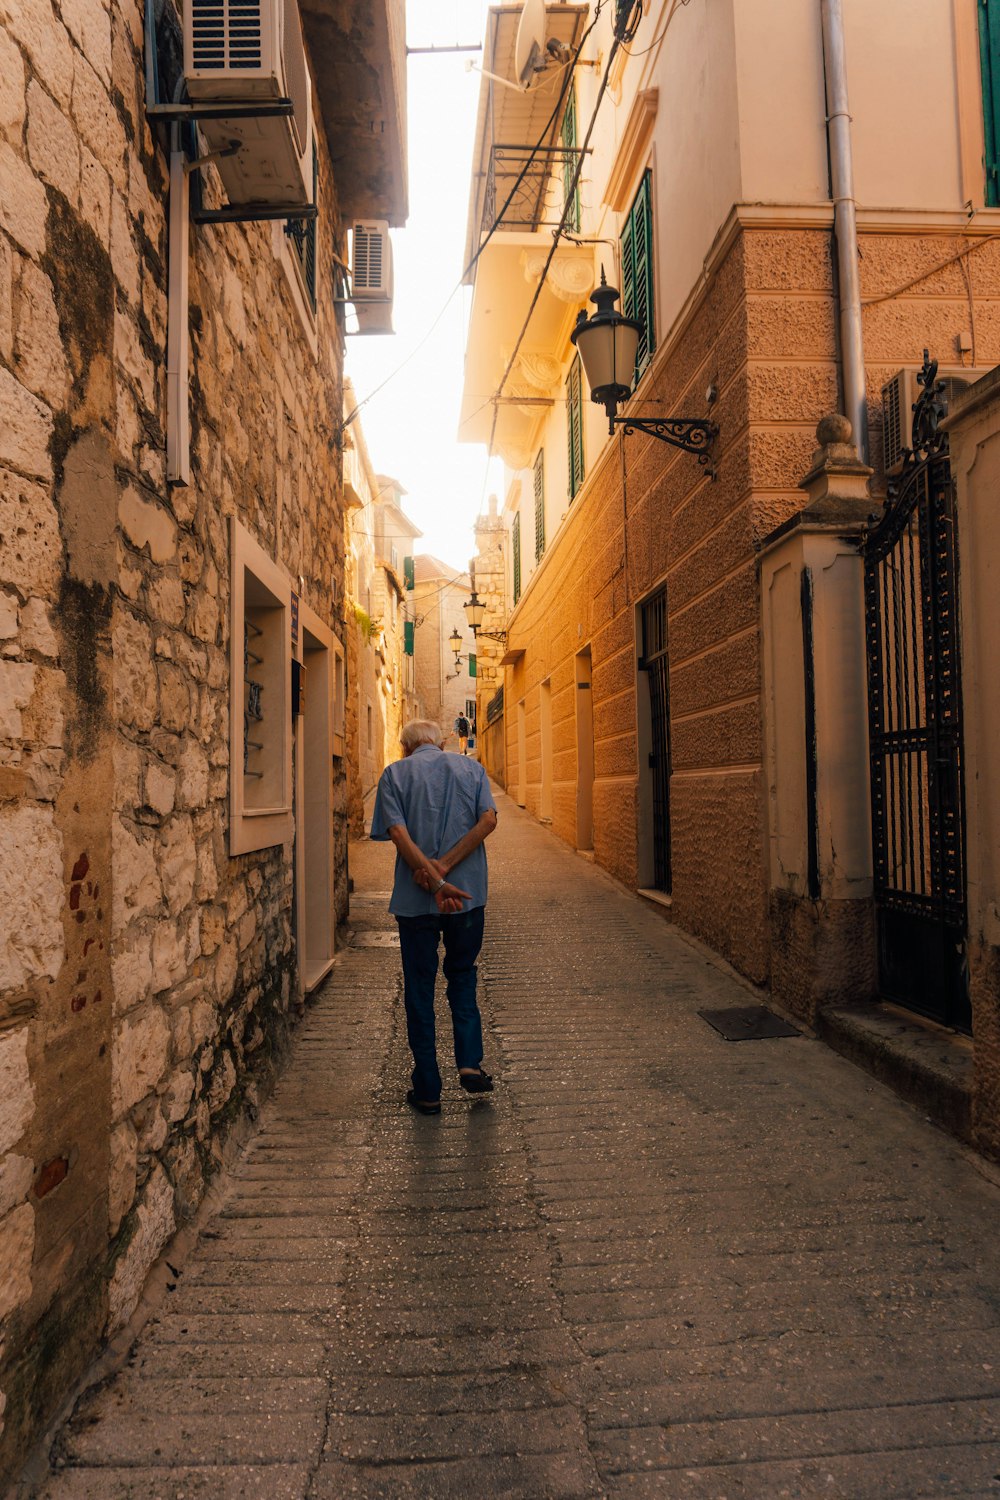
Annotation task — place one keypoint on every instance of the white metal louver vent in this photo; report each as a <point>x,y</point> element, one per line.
<point>244,52</point>
<point>371,275</point>
<point>370,259</point>
<point>226,34</point>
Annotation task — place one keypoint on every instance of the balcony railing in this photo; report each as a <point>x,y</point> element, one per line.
<point>540,195</point>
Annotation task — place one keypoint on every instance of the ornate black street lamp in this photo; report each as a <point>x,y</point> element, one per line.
<point>608,342</point>
<point>475,611</point>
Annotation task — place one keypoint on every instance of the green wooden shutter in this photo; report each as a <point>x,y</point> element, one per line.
<point>515,545</point>
<point>568,138</point>
<point>539,477</point>
<point>989,57</point>
<point>408,574</point>
<point>408,637</point>
<point>574,419</point>
<point>637,273</point>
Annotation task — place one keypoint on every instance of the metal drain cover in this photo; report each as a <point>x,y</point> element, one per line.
<point>375,940</point>
<point>748,1023</point>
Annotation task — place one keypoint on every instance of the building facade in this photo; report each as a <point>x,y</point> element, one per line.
<point>380,678</point>
<point>444,685</point>
<point>172,794</point>
<point>634,696</point>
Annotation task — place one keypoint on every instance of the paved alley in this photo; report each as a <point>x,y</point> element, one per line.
<point>654,1263</point>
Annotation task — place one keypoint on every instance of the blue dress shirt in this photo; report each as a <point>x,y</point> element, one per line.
<point>439,797</point>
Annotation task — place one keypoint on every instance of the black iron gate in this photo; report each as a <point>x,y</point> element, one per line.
<point>654,662</point>
<point>915,728</point>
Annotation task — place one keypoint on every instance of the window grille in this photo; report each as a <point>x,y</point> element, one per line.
<point>302,233</point>
<point>637,273</point>
<point>539,478</point>
<point>989,58</point>
<point>574,419</point>
<point>515,545</point>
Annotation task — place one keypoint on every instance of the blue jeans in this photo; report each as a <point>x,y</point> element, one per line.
<point>418,943</point>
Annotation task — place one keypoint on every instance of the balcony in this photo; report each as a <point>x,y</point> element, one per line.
<point>538,196</point>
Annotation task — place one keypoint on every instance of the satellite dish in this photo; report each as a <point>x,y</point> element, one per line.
<point>529,48</point>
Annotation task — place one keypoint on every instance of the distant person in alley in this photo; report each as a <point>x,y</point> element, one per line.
<point>438,810</point>
<point>463,729</point>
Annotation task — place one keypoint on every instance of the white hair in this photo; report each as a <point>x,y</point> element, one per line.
<point>420,732</point>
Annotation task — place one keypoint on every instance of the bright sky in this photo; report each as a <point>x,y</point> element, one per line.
<point>411,426</point>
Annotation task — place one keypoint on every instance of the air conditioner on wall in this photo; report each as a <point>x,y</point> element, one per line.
<point>899,395</point>
<point>249,52</point>
<point>371,275</point>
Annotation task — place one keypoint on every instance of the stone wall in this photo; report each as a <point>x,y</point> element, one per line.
<point>762,333</point>
<point>145,976</point>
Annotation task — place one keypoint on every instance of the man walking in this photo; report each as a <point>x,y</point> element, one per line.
<point>462,728</point>
<point>437,809</point>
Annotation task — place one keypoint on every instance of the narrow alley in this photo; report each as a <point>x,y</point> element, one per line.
<point>653,1263</point>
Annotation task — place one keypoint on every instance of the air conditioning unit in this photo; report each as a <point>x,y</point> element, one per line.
<point>371,275</point>
<point>899,396</point>
<point>249,52</point>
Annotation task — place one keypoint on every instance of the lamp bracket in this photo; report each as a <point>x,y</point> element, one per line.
<point>492,635</point>
<point>692,434</point>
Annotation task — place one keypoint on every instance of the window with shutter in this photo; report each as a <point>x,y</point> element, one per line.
<point>989,57</point>
<point>302,233</point>
<point>574,420</point>
<point>568,137</point>
<point>515,547</point>
<point>637,273</point>
<point>539,477</point>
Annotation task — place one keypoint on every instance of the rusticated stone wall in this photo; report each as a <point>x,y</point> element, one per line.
<point>764,335</point>
<point>146,978</point>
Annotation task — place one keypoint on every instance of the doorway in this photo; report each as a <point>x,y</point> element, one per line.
<point>545,706</point>
<point>584,750</point>
<point>314,882</point>
<point>654,744</point>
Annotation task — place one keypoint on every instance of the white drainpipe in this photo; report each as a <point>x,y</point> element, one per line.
<point>178,422</point>
<point>845,224</point>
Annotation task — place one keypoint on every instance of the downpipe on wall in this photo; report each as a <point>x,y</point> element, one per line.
<point>178,347</point>
<point>845,225</point>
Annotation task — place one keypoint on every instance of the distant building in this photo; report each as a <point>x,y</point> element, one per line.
<point>444,689</point>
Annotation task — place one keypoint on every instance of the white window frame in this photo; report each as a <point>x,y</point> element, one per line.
<point>252,828</point>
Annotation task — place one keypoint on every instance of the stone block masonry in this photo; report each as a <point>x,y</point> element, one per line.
<point>146,977</point>
<point>652,1263</point>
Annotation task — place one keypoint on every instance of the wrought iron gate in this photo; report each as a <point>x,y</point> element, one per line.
<point>654,662</point>
<point>915,728</point>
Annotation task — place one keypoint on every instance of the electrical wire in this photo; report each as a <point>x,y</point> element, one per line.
<point>666,27</point>
<point>567,77</point>
<point>558,231</point>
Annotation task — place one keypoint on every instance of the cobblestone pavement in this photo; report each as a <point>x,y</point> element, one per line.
<point>653,1264</point>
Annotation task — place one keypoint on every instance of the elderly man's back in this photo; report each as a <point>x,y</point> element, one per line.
<point>438,809</point>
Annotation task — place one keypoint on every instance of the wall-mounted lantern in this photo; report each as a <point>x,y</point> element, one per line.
<point>608,342</point>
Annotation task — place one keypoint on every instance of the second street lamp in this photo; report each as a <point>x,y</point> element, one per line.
<point>608,342</point>
<point>475,612</point>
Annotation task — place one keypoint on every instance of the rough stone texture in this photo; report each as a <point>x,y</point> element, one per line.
<point>651,1263</point>
<point>17,1244</point>
<point>141,1043</point>
<point>16,1093</point>
<point>154,1224</point>
<point>30,894</point>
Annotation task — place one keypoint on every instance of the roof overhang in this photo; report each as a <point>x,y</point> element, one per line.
<point>511,115</point>
<point>358,55</point>
<point>506,281</point>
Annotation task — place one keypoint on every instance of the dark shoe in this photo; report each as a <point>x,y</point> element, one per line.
<point>421,1108</point>
<point>476,1083</point>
